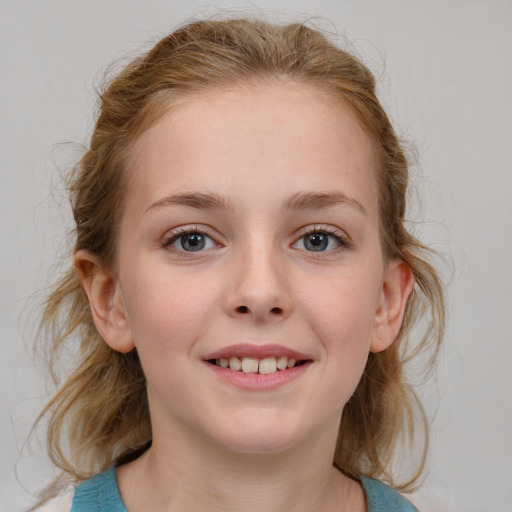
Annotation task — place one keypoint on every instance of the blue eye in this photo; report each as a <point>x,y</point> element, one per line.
<point>316,242</point>
<point>192,241</point>
<point>320,241</point>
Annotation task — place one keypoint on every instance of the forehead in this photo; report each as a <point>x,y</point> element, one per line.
<point>273,136</point>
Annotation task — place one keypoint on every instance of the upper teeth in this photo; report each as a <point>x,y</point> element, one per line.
<point>254,365</point>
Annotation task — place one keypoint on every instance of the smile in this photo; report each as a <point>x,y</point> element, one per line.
<point>258,367</point>
<point>264,366</point>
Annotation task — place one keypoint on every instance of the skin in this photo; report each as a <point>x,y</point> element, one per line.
<point>216,446</point>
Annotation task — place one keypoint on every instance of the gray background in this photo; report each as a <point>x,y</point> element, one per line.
<point>446,78</point>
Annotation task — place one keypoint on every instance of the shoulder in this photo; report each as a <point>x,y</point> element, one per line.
<point>98,494</point>
<point>382,498</point>
<point>60,504</point>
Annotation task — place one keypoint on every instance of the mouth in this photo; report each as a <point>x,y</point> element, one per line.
<point>263,366</point>
<point>254,367</point>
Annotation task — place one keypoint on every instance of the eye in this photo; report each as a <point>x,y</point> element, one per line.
<point>321,240</point>
<point>190,241</point>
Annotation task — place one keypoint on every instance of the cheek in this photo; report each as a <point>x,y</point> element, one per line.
<point>344,309</point>
<point>341,314</point>
<point>343,325</point>
<point>168,312</point>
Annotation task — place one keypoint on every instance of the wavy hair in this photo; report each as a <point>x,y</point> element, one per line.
<point>100,414</point>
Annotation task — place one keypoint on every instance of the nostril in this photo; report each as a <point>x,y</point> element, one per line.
<point>244,310</point>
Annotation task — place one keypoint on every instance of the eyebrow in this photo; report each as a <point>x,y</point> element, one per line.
<point>298,201</point>
<point>320,201</point>
<point>208,201</point>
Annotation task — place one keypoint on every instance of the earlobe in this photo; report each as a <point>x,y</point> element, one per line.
<point>105,301</point>
<point>397,287</point>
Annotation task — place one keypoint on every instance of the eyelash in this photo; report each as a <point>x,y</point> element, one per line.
<point>173,237</point>
<point>340,238</point>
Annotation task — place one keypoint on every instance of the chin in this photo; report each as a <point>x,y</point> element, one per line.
<point>261,446</point>
<point>261,438</point>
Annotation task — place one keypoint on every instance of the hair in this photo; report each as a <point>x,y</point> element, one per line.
<point>100,414</point>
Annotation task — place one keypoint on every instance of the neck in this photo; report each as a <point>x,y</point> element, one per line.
<point>196,475</point>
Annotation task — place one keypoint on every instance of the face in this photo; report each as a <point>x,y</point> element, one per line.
<point>250,239</point>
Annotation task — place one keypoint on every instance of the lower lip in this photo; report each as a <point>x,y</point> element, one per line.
<point>257,381</point>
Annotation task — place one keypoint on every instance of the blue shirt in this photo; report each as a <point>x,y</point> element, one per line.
<point>101,494</point>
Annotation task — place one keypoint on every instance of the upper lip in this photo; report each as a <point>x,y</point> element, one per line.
<point>256,351</point>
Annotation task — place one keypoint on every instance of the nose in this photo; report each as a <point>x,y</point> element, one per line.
<point>259,288</point>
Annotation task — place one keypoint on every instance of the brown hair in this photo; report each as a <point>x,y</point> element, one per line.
<point>100,414</point>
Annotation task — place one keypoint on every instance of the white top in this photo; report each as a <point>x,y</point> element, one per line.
<point>61,504</point>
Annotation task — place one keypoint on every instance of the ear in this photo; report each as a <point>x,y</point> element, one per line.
<point>105,299</point>
<point>397,287</point>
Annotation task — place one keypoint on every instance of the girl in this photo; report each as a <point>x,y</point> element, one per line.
<point>243,286</point>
